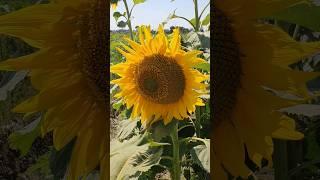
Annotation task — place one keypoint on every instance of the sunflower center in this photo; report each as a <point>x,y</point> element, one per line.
<point>151,85</point>
<point>160,79</point>
<point>226,67</point>
<point>93,48</point>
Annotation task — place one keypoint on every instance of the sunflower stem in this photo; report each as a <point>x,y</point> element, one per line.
<point>129,18</point>
<point>196,13</point>
<point>176,152</point>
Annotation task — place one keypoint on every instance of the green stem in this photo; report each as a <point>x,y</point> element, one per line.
<point>129,17</point>
<point>176,150</point>
<point>196,13</point>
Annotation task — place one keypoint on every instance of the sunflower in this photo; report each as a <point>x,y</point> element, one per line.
<point>158,80</point>
<point>251,62</point>
<point>69,70</point>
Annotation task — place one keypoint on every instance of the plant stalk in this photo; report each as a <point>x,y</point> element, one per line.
<point>129,18</point>
<point>176,151</point>
<point>196,13</point>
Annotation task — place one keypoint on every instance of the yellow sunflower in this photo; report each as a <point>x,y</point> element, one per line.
<point>158,80</point>
<point>251,59</point>
<point>70,73</point>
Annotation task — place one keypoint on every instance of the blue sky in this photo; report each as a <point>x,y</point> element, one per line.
<point>153,12</point>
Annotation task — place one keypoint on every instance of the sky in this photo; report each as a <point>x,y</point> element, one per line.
<point>153,12</point>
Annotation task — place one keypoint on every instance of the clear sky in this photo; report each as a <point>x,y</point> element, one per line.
<point>153,12</point>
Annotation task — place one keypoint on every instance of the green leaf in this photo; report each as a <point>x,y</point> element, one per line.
<point>201,155</point>
<point>132,158</point>
<point>206,20</point>
<point>193,21</point>
<point>122,24</point>
<point>116,15</point>
<point>22,140</point>
<point>301,14</point>
<point>118,104</point>
<point>138,1</point>
<point>203,66</point>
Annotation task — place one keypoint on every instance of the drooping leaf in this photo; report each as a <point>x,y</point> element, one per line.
<point>310,110</point>
<point>116,15</point>
<point>132,158</point>
<point>22,140</point>
<point>138,1</point>
<point>159,130</point>
<point>122,24</point>
<point>126,129</point>
<point>201,155</point>
<point>142,162</point>
<point>301,14</point>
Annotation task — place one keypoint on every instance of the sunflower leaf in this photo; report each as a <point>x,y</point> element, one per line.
<point>122,24</point>
<point>309,110</point>
<point>132,158</point>
<point>22,140</point>
<point>127,128</point>
<point>159,130</point>
<point>201,155</point>
<point>301,14</point>
<point>206,20</point>
<point>117,15</point>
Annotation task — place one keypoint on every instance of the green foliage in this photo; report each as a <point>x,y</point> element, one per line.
<point>117,15</point>
<point>58,160</point>
<point>133,157</point>
<point>22,140</point>
<point>301,14</point>
<point>206,20</point>
<point>139,1</point>
<point>201,155</point>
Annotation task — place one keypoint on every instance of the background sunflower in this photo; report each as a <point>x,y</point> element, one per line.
<point>251,64</point>
<point>72,43</point>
